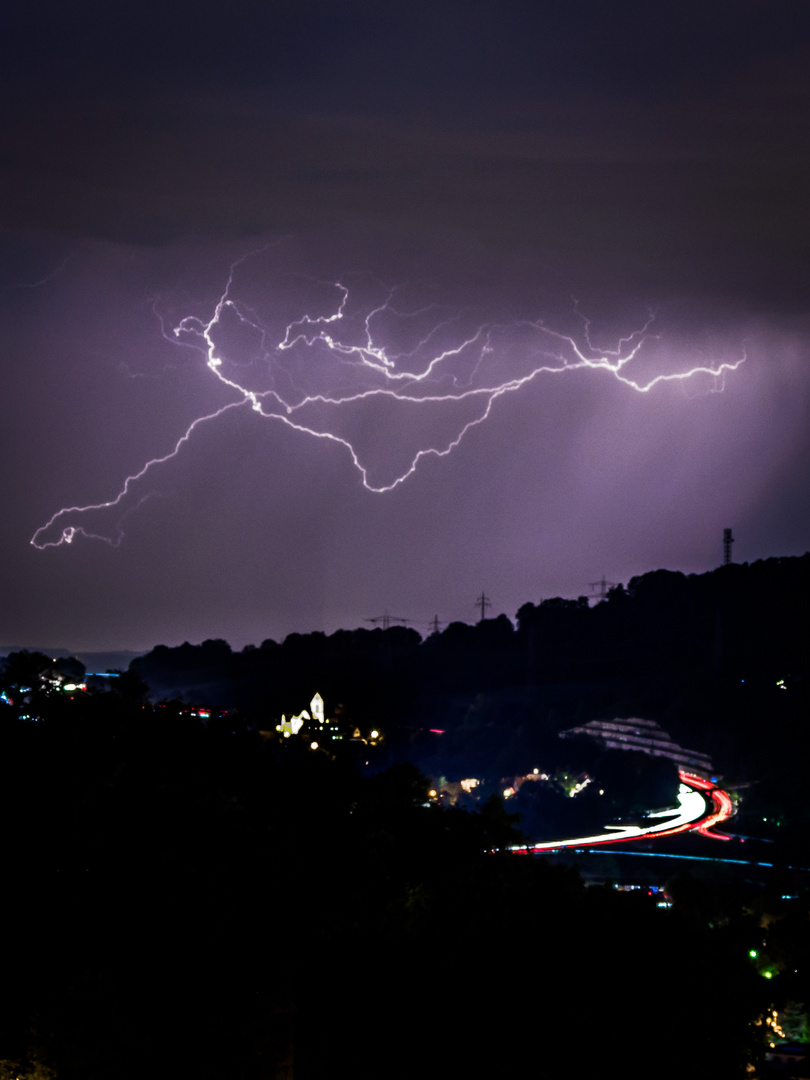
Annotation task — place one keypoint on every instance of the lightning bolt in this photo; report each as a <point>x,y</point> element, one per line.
<point>44,280</point>
<point>444,369</point>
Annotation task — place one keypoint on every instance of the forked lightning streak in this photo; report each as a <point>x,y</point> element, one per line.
<point>345,348</point>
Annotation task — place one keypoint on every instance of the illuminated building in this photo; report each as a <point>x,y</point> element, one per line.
<point>293,725</point>
<point>643,735</point>
<point>313,725</point>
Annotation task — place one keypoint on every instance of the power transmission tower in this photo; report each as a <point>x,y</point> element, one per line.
<point>385,620</point>
<point>434,624</point>
<point>728,540</point>
<point>483,602</point>
<point>603,587</point>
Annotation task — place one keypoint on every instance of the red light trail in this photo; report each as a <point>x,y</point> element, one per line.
<point>701,806</point>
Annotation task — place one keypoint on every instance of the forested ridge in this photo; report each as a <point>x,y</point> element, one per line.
<point>720,660</point>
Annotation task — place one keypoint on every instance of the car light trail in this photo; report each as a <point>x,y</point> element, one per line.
<point>723,810</point>
<point>701,858</point>
<point>700,805</point>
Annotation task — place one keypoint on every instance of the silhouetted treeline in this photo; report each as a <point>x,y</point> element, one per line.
<point>736,618</point>
<point>720,659</point>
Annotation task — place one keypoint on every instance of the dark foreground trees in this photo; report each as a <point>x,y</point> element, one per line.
<point>182,901</point>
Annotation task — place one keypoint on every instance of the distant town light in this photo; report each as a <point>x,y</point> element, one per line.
<point>580,786</point>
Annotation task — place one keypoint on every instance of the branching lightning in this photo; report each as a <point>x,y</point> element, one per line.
<point>447,370</point>
<point>70,531</point>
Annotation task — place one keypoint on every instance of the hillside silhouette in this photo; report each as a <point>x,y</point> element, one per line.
<point>719,659</point>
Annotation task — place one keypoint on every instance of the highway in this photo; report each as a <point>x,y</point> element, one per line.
<point>700,806</point>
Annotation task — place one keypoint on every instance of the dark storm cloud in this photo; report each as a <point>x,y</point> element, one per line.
<point>399,52</point>
<point>660,146</point>
<point>507,157</point>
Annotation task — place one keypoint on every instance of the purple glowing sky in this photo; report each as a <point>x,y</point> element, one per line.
<point>494,179</point>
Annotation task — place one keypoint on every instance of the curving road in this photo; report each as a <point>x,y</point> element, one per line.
<point>701,806</point>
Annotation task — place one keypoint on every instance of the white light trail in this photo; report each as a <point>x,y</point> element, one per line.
<point>692,812</point>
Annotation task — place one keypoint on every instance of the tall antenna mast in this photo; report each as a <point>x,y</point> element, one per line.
<point>728,540</point>
<point>483,602</point>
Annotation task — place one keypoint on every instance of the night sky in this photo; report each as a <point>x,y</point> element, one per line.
<point>479,191</point>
